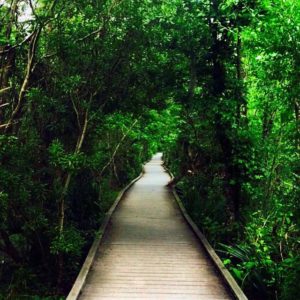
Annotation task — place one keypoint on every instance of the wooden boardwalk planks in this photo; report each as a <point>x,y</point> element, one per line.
<point>149,252</point>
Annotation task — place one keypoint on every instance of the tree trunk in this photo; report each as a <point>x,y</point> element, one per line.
<point>241,105</point>
<point>10,249</point>
<point>219,46</point>
<point>61,202</point>
<point>7,60</point>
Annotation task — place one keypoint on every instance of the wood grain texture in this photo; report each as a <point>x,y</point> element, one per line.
<point>149,251</point>
<point>81,278</point>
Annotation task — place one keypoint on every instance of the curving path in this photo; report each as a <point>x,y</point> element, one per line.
<point>149,252</point>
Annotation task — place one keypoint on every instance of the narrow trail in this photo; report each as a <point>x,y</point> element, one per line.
<point>149,252</point>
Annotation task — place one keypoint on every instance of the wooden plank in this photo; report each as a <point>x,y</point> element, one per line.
<point>154,297</point>
<point>187,290</point>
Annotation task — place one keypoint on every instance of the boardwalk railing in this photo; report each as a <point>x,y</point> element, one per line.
<point>81,278</point>
<point>224,273</point>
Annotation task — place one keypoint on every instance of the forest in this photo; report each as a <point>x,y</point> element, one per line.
<point>90,90</point>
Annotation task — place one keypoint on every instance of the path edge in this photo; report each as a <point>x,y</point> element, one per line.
<point>225,274</point>
<point>81,277</point>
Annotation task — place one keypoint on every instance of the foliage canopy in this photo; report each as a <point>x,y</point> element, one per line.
<point>89,90</point>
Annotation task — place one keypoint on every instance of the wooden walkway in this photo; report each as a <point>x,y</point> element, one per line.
<point>149,252</point>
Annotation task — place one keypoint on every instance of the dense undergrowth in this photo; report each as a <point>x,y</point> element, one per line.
<point>89,90</point>
<point>261,250</point>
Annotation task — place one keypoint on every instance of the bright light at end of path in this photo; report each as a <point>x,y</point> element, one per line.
<point>24,10</point>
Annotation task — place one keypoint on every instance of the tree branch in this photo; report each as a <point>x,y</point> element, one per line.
<point>31,54</point>
<point>18,45</point>
<point>2,91</point>
<point>117,147</point>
